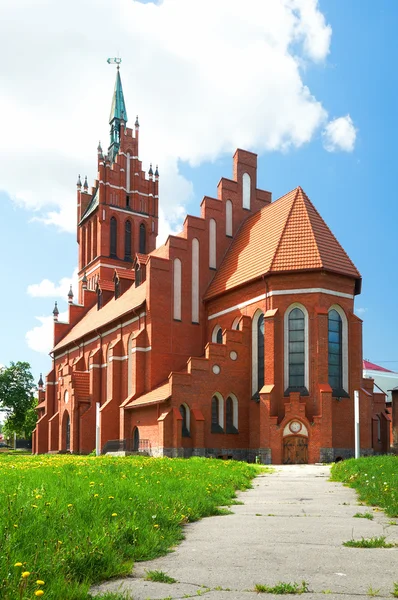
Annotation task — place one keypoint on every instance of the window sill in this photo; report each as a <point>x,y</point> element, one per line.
<point>340,393</point>
<point>232,430</point>
<point>216,429</point>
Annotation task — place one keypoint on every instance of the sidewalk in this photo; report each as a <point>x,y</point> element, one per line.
<point>290,528</point>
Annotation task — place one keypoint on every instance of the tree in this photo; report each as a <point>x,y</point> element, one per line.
<point>17,397</point>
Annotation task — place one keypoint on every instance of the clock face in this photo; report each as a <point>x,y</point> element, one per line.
<point>295,426</point>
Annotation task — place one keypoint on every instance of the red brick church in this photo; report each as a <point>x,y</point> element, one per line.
<point>237,338</point>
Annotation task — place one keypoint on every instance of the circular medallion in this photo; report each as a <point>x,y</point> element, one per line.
<point>295,426</point>
<point>216,369</point>
<point>233,355</point>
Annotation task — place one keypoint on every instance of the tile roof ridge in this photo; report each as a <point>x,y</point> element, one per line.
<point>306,199</point>
<point>296,190</point>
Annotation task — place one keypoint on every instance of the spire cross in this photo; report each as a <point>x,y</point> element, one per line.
<point>114,61</point>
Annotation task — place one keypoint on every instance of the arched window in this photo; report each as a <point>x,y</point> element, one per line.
<point>228,218</point>
<point>142,246</point>
<point>195,281</point>
<point>136,440</point>
<point>130,366</point>
<point>231,414</point>
<point>212,244</point>
<point>335,352</point>
<point>83,248</point>
<point>108,374</point>
<point>95,237</point>
<point>246,191</point>
<point>113,239</point>
<point>67,432</point>
<point>217,414</point>
<point>236,323</point>
<point>185,413</point>
<point>257,352</point>
<point>127,240</point>
<point>89,242</point>
<point>296,349</point>
<point>177,289</point>
<point>216,336</point>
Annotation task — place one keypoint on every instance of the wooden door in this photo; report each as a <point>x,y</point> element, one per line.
<point>295,450</point>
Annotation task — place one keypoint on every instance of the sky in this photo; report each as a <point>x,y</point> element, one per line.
<point>309,86</point>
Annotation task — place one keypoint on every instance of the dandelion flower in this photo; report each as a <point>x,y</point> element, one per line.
<point>110,497</point>
<point>40,582</point>
<point>18,564</point>
<point>114,514</point>
<point>25,574</point>
<point>39,593</point>
<point>69,505</point>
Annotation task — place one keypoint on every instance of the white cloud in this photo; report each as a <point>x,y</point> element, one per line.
<point>41,337</point>
<point>48,289</point>
<point>204,76</point>
<point>361,311</point>
<point>339,134</point>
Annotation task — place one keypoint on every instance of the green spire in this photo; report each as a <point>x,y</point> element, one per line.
<point>117,116</point>
<point>118,109</point>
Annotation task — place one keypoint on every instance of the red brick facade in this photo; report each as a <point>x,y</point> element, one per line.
<point>140,361</point>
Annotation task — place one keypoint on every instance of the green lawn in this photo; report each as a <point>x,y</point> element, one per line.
<point>71,521</point>
<point>375,479</point>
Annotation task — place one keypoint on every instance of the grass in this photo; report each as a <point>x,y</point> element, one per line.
<point>282,588</point>
<point>73,521</point>
<point>366,515</point>
<point>375,478</point>
<point>159,576</point>
<point>372,592</point>
<point>395,591</point>
<point>373,542</point>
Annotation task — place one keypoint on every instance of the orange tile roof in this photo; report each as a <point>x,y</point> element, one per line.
<point>159,394</point>
<point>94,318</point>
<point>106,285</point>
<point>286,235</point>
<point>125,274</point>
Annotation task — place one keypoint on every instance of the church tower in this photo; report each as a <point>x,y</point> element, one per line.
<point>118,217</point>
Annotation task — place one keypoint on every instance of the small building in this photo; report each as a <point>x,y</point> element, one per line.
<point>237,338</point>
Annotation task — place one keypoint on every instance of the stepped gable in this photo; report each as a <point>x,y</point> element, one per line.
<point>286,235</point>
<point>94,318</point>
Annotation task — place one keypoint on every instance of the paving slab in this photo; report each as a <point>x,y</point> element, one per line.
<point>291,528</point>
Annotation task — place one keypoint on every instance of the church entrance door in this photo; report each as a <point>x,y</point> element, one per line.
<point>295,450</point>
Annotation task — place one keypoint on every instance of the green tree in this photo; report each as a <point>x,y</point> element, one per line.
<point>17,398</point>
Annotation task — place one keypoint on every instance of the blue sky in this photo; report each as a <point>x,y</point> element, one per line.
<point>55,109</point>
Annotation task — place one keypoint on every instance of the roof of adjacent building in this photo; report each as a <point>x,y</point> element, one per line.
<point>369,366</point>
<point>114,309</point>
<point>159,394</point>
<point>286,235</point>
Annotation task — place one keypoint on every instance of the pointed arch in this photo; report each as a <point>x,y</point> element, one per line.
<point>83,248</point>
<point>177,289</point>
<point>130,365</point>
<point>216,336</point>
<point>257,351</point>
<point>95,226</point>
<point>195,281</point>
<point>236,323</point>
<point>212,244</point>
<point>186,420</point>
<point>296,336</point>
<point>113,238</point>
<point>228,218</point>
<point>142,240</point>
<point>246,190</point>
<point>231,414</point>
<point>127,240</point>
<point>217,413</point>
<point>136,439</point>
<point>66,432</point>
<point>89,241</point>
<point>338,350</point>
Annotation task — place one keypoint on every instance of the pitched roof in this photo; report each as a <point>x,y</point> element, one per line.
<point>156,396</point>
<point>286,235</point>
<point>373,367</point>
<point>94,318</point>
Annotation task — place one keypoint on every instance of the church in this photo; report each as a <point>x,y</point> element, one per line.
<point>236,338</point>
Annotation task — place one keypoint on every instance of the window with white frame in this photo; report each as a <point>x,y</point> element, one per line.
<point>246,191</point>
<point>257,352</point>
<point>177,289</point>
<point>186,418</point>
<point>231,414</point>
<point>228,218</point>
<point>296,349</point>
<point>212,244</point>
<point>338,350</point>
<point>216,336</point>
<point>217,413</point>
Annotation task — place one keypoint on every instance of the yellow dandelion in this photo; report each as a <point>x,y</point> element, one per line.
<point>95,495</point>
<point>114,514</point>
<point>156,526</point>
<point>25,574</point>
<point>38,496</point>
<point>39,593</point>
<point>69,505</point>
<point>15,525</point>
<point>111,497</point>
<point>18,564</point>
<point>40,582</point>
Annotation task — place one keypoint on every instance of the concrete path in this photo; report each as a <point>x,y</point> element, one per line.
<point>290,528</point>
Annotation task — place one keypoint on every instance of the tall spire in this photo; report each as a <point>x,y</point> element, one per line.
<point>118,114</point>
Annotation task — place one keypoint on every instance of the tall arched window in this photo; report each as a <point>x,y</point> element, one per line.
<point>127,240</point>
<point>335,349</point>
<point>83,248</point>
<point>231,414</point>
<point>113,238</point>
<point>228,218</point>
<point>195,281</point>
<point>296,349</point>
<point>67,432</point>
<point>108,374</point>
<point>142,246</point>
<point>246,191</point>
<point>216,336</point>
<point>217,414</point>
<point>177,289</point>
<point>95,237</point>
<point>136,440</point>
<point>257,352</point>
<point>89,242</point>
<point>212,244</point>
<point>185,413</point>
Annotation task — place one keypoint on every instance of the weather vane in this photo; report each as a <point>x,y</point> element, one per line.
<point>114,61</point>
